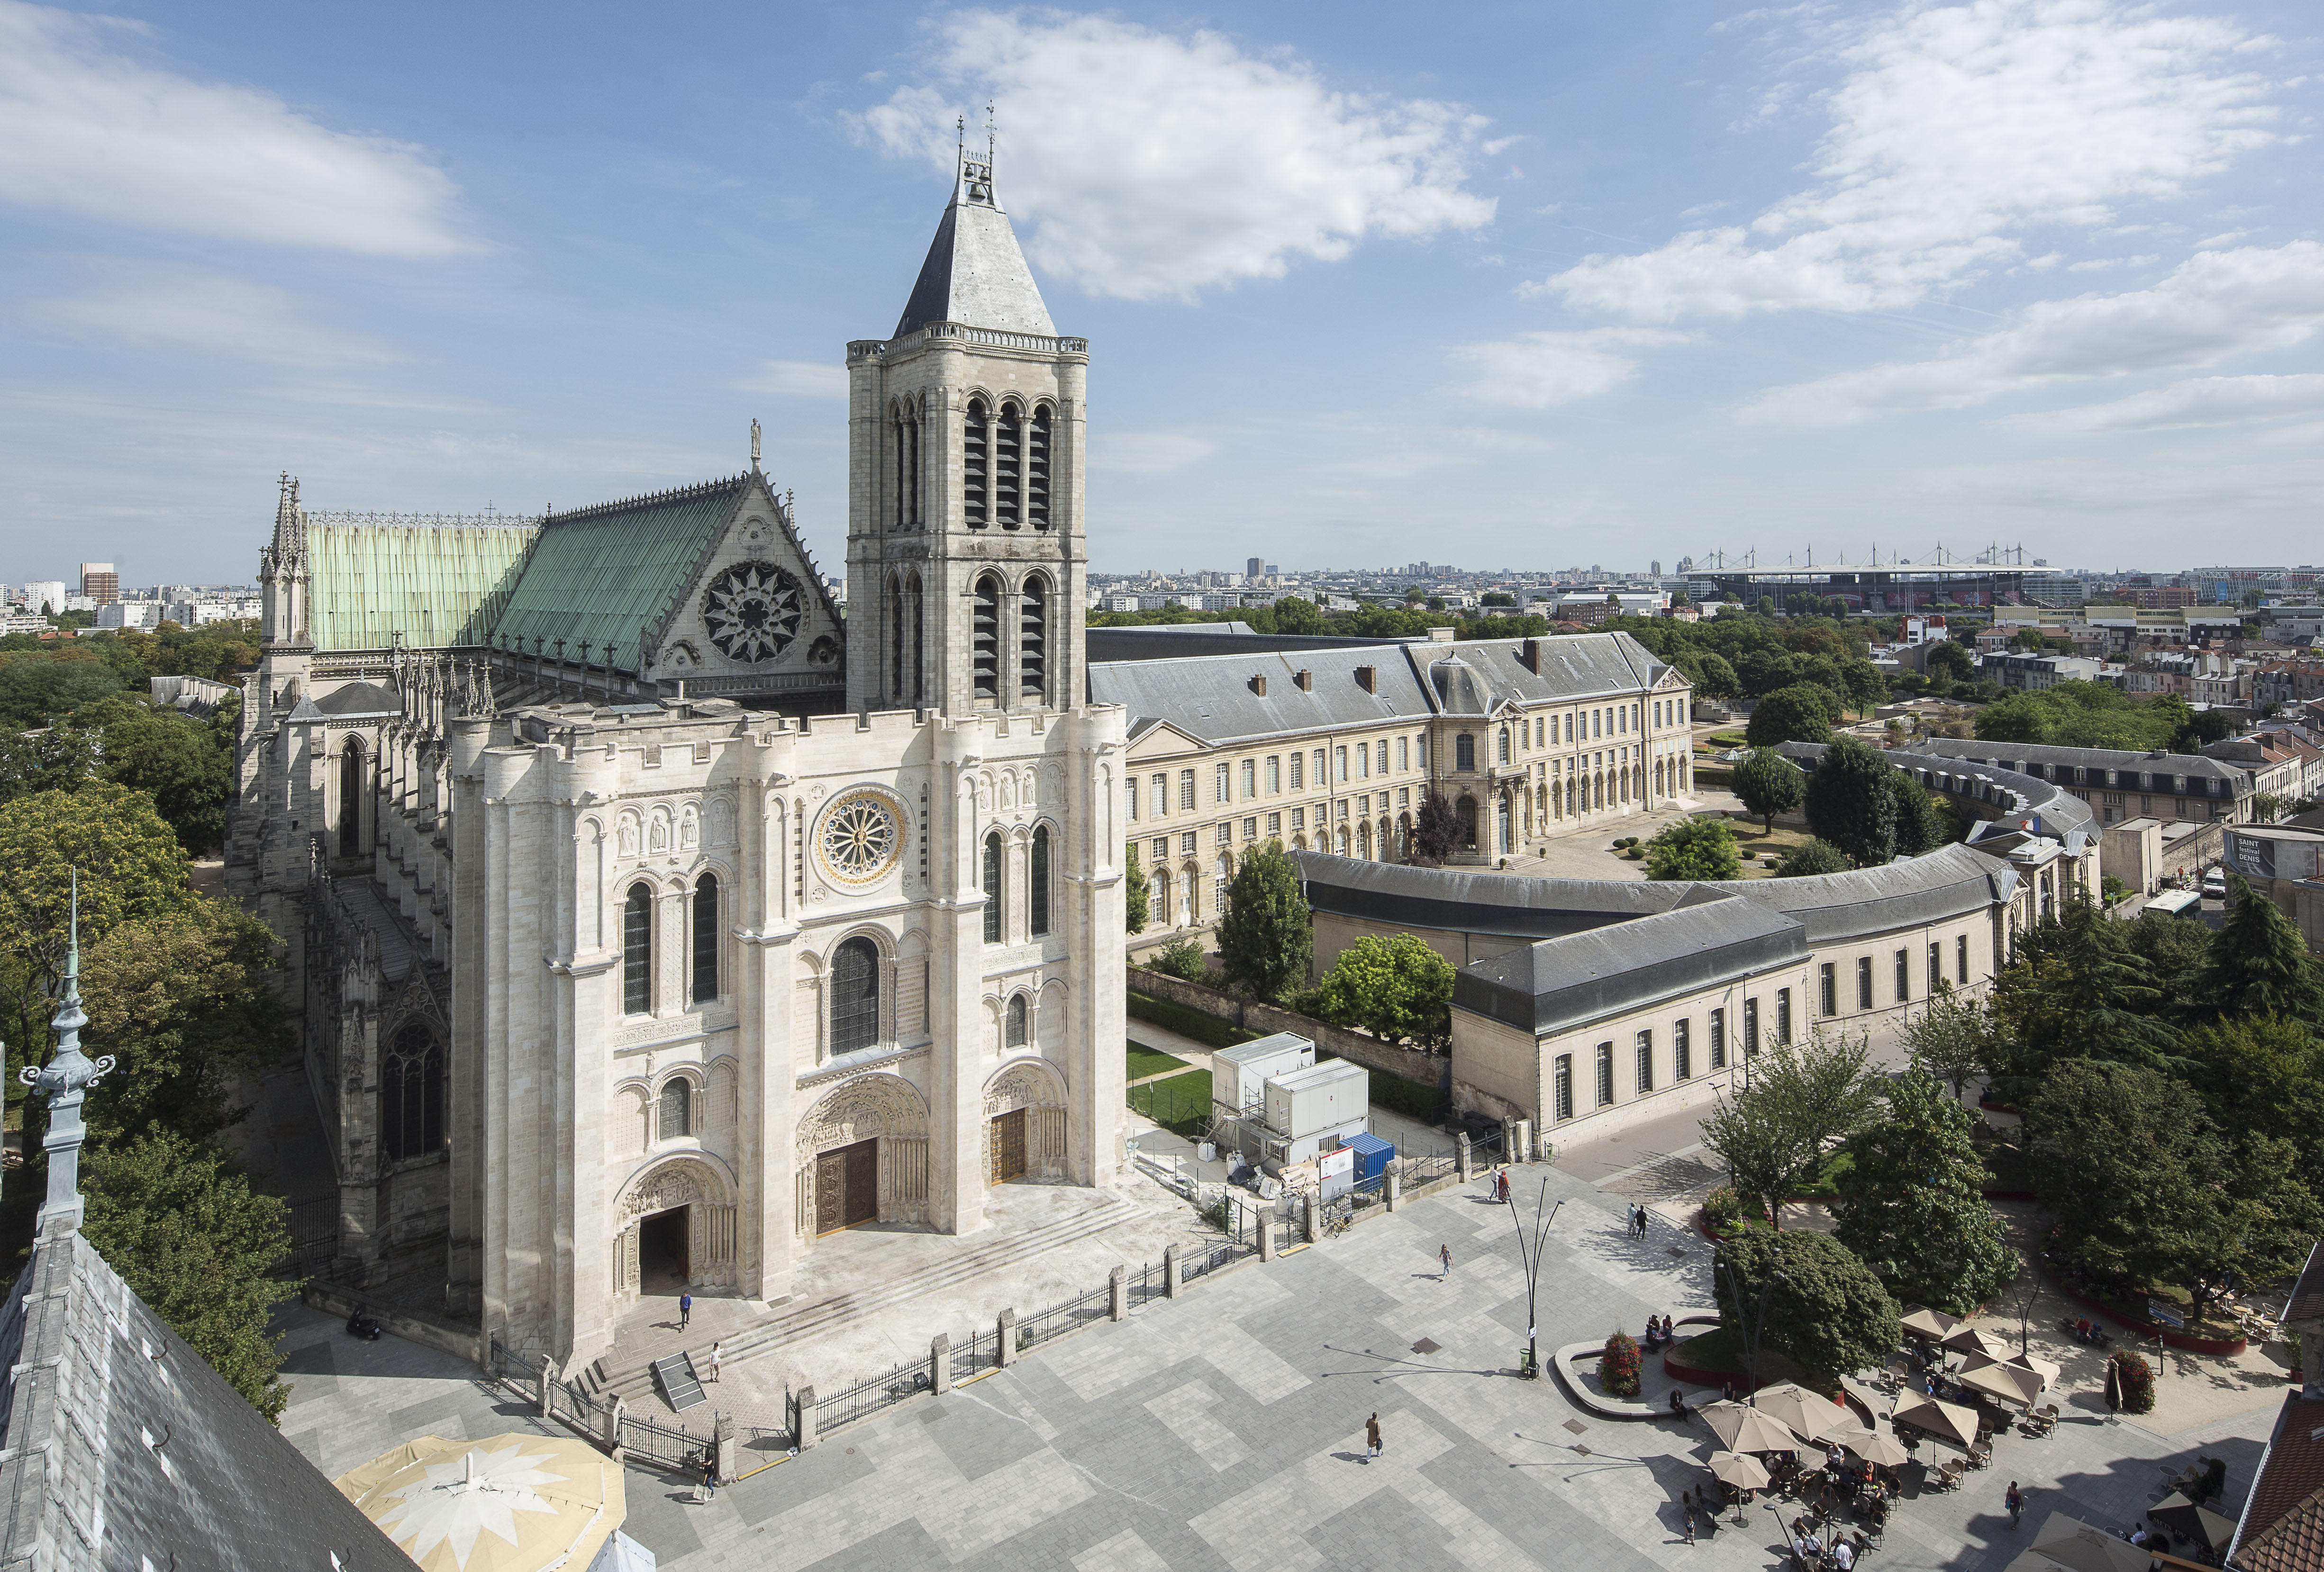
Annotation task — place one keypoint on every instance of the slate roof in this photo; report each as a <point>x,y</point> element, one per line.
<point>1952,881</point>
<point>2307,1302</point>
<point>2281,1529</point>
<point>2012,755</point>
<point>612,574</point>
<point>364,699</point>
<point>419,586</point>
<point>2061,812</point>
<point>120,1447</point>
<point>1561,983</point>
<point>974,273</point>
<point>1165,641</point>
<point>1480,902</point>
<point>1573,666</point>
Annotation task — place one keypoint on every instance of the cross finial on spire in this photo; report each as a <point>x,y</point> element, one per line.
<point>64,1081</point>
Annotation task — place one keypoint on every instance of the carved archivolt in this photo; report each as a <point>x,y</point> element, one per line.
<point>861,1109</point>
<point>684,1182</point>
<point>1028,1084</point>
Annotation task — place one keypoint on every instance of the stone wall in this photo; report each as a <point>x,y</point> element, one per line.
<point>1410,1064</point>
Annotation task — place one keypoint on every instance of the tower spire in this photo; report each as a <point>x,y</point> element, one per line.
<point>65,1081</point>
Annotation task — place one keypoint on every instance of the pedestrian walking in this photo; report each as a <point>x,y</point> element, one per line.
<point>1444,1253</point>
<point>1371,1438</point>
<point>685,1309</point>
<point>1501,1187</point>
<point>709,1491</point>
<point>2015,1501</point>
<point>715,1354</point>
<point>1686,1509</point>
<point>1642,1222</point>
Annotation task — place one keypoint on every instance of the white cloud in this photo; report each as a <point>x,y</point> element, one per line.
<point>188,311</point>
<point>1154,165</point>
<point>1536,370</point>
<point>1149,453</point>
<point>800,379</point>
<point>1954,128</point>
<point>2217,305</point>
<point>88,130</point>
<point>2198,401</point>
<point>2103,263</point>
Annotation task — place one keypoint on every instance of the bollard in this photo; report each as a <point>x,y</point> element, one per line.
<point>803,1431</point>
<point>1394,1188</point>
<point>1008,1338</point>
<point>1170,1272</point>
<point>1467,1164</point>
<point>1117,1294</point>
<point>730,1455</point>
<point>548,1383</point>
<point>1314,1216</point>
<point>614,1428</point>
<point>1520,1140</point>
<point>1266,1235</point>
<point>940,1363</point>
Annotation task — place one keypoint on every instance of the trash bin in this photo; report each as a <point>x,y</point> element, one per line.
<point>1207,1152</point>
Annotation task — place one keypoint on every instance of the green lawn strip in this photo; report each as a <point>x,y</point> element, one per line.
<point>1176,1104</point>
<point>1145,1061</point>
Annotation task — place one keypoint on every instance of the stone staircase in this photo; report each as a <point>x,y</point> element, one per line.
<point>627,1372</point>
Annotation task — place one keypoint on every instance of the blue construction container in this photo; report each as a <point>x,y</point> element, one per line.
<point>1371,1156</point>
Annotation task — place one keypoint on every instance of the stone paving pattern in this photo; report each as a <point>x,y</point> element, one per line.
<point>1225,1430</point>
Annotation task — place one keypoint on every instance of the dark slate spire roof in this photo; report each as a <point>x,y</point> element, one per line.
<point>974,274</point>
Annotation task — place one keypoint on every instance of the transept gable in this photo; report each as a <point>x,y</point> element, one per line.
<point>752,616</point>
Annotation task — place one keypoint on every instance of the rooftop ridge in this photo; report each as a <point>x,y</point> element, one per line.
<point>349,515</point>
<point>663,499</point>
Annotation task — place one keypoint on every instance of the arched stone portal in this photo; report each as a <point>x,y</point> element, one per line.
<point>862,1154</point>
<point>1025,1123</point>
<point>681,1212</point>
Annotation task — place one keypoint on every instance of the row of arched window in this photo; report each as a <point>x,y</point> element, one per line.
<point>1005,465</point>
<point>638,945</point>
<point>1000,621</point>
<point>993,879</point>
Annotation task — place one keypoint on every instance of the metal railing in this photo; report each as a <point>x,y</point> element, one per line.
<point>505,1364</point>
<point>1210,1261</point>
<point>314,1228</point>
<point>866,1398</point>
<point>671,1446</point>
<point>1070,1316</point>
<point>979,1354</point>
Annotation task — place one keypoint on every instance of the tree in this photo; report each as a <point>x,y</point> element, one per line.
<point>1950,1039</point>
<point>1851,804</point>
<point>1922,824</point>
<point>1699,847</point>
<point>1396,988</point>
<point>185,1003</point>
<point>193,1242</point>
<point>1295,615</point>
<point>1825,1309</point>
<point>2074,988</point>
<point>1812,857</point>
<point>1437,830</point>
<point>2266,807</point>
<point>1801,1099</point>
<point>181,764</point>
<point>1267,936</point>
<point>1768,784</point>
<point>2262,1075</point>
<point>1182,959</point>
<point>57,758</point>
<point>2259,963</point>
<point>1799,713</point>
<point>1912,1206</point>
<point>1952,660</point>
<point>1137,894</point>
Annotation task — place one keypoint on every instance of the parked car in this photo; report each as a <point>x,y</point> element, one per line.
<point>2215,884</point>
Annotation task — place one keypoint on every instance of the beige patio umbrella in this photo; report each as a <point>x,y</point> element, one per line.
<point>1810,1418</point>
<point>1921,1322</point>
<point>1748,1430</point>
<point>2073,1544</point>
<point>2182,1516</point>
<point>512,1504</point>
<point>2009,1383</point>
<point>2042,1367</point>
<point>1977,1341</point>
<point>1948,1422</point>
<point>1881,1449</point>
<point>1741,1472</point>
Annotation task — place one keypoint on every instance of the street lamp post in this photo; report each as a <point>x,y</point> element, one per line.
<point>1529,1257</point>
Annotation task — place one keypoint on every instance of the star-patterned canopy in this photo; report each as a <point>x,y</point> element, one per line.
<point>513,1503</point>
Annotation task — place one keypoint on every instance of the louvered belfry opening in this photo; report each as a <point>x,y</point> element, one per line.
<point>1037,470</point>
<point>1009,466</point>
<point>975,465</point>
<point>1033,634</point>
<point>985,636</point>
<point>906,433</point>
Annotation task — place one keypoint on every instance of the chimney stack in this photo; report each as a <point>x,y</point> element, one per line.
<point>1530,654</point>
<point>1307,681</point>
<point>1258,685</point>
<point>1367,678</point>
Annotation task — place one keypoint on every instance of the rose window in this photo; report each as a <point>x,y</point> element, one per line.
<point>861,837</point>
<point>752,610</point>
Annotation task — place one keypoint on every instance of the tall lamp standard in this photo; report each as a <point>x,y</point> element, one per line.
<point>1529,1257</point>
<point>1758,1321</point>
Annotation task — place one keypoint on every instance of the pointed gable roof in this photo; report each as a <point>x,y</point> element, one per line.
<point>974,274</point>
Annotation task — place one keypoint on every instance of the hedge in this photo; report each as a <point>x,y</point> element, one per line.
<point>1188,1022</point>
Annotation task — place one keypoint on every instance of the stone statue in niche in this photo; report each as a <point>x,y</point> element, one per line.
<point>658,838</point>
<point>689,830</point>
<point>626,837</point>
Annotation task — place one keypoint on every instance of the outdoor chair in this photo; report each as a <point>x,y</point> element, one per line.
<point>2042,1419</point>
<point>1949,1475</point>
<point>1980,1455</point>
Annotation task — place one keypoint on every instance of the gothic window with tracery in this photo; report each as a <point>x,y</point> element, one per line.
<point>752,610</point>
<point>854,996</point>
<point>411,1095</point>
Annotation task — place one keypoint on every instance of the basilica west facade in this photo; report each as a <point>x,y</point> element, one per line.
<point>649,919</point>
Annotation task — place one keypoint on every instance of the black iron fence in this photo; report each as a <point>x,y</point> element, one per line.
<point>314,1228</point>
<point>664,1443</point>
<point>866,1398</point>
<point>1058,1319</point>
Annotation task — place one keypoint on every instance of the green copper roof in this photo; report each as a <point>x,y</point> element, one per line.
<point>373,585</point>
<point>611,574</point>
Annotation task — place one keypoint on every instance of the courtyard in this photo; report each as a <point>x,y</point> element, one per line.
<point>1225,1428</point>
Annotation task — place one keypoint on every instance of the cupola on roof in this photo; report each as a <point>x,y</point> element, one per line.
<point>974,274</point>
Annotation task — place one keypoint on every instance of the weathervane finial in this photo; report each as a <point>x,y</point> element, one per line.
<point>65,1081</point>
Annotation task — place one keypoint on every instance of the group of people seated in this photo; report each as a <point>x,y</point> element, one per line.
<point>2083,1330</point>
<point>1808,1549</point>
<point>1658,1334</point>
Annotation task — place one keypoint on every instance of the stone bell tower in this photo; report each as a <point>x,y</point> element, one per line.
<point>967,560</point>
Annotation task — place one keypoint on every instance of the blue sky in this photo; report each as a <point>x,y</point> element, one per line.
<point>1529,285</point>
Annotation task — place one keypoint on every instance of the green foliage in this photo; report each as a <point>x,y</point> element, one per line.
<point>57,758</point>
<point>1694,848</point>
<point>1722,1207</point>
<point>1267,938</point>
<point>186,768</point>
<point>1800,713</point>
<point>1767,783</point>
<point>2258,963</point>
<point>1921,822</point>
<point>1851,803</point>
<point>2266,807</point>
<point>1911,1204</point>
<point>2144,1188</point>
<point>2085,714</point>
<point>38,686</point>
<point>2173,951</point>
<point>1437,830</point>
<point>1182,959</point>
<point>2262,1075</point>
<point>1825,1310</point>
<point>1137,894</point>
<point>1618,1365</point>
<point>1956,661</point>
<point>193,1242</point>
<point>1395,987</point>
<point>1773,1132</point>
<point>1812,857</point>
<point>1186,1020</point>
<point>2075,988</point>
<point>1951,1039</point>
<point>184,1001</point>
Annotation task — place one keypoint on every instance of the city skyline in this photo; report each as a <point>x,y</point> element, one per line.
<point>1570,287</point>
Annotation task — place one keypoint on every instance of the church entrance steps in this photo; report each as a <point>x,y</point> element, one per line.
<point>1043,1243</point>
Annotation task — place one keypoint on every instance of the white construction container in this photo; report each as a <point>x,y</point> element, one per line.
<point>1239,1075</point>
<point>1319,1107</point>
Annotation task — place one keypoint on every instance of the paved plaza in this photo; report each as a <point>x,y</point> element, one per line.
<point>1225,1430</point>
